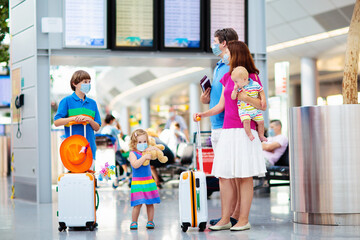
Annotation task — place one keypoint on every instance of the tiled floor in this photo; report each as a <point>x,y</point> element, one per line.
<point>270,219</point>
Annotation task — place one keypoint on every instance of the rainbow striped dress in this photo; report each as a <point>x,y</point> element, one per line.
<point>143,186</point>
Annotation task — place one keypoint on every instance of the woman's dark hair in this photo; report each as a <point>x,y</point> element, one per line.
<point>227,34</point>
<point>77,77</point>
<point>109,118</point>
<point>240,56</point>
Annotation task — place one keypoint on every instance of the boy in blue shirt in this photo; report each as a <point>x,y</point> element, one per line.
<point>79,108</point>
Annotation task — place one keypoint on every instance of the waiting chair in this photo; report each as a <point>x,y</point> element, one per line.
<point>280,171</point>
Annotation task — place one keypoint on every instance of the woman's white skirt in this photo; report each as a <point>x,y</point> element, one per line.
<point>238,157</point>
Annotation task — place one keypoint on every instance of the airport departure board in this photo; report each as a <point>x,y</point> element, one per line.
<point>134,23</point>
<point>227,14</point>
<point>182,24</point>
<point>85,23</point>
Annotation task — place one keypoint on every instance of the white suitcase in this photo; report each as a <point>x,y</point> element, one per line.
<point>76,200</point>
<point>193,200</point>
<point>193,196</point>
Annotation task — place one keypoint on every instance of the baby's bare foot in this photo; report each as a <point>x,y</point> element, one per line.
<point>263,139</point>
<point>251,137</point>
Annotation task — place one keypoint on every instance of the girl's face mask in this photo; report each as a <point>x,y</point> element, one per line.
<point>141,146</point>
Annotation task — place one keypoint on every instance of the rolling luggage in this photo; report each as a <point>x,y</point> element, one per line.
<point>77,200</point>
<point>76,190</point>
<point>193,196</point>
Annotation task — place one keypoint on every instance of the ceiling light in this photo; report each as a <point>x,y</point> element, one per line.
<point>308,39</point>
<point>153,83</point>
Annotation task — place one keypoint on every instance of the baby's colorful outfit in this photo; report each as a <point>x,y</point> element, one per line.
<point>246,111</point>
<point>143,186</point>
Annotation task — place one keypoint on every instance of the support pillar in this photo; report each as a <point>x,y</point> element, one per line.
<point>194,107</point>
<point>30,70</point>
<point>309,82</point>
<point>145,113</point>
<point>124,121</point>
<point>257,44</point>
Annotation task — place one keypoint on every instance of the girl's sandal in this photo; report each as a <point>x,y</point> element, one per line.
<point>150,225</point>
<point>133,226</point>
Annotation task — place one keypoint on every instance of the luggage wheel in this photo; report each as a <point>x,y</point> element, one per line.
<point>202,226</point>
<point>91,225</point>
<point>62,226</point>
<point>185,226</point>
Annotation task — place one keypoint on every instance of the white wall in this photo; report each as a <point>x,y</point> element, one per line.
<point>32,150</point>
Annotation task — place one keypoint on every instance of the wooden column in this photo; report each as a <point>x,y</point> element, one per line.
<point>350,94</point>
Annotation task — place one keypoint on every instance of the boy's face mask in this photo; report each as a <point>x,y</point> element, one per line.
<point>85,88</point>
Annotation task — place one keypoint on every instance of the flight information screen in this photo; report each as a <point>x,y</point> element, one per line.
<point>85,23</point>
<point>134,23</point>
<point>227,14</point>
<point>182,24</point>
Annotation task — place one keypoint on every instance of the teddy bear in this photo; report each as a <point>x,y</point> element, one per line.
<point>155,154</point>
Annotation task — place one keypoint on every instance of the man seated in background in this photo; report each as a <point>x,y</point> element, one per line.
<point>173,137</point>
<point>276,145</point>
<point>173,117</point>
<point>156,164</point>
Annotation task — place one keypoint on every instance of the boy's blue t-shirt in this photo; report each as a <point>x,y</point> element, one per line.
<point>72,105</point>
<point>215,94</point>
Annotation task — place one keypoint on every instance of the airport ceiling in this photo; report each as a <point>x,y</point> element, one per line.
<point>289,20</point>
<point>286,20</point>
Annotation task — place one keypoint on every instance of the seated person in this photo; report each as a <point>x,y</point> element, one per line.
<point>276,145</point>
<point>156,164</point>
<point>173,137</point>
<point>179,119</point>
<point>112,127</point>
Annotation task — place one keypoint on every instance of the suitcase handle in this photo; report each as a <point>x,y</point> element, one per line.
<point>72,123</point>
<point>97,200</point>
<point>199,144</point>
<point>75,123</point>
<point>198,199</point>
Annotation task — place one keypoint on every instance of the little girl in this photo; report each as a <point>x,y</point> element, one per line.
<point>242,82</point>
<point>143,187</point>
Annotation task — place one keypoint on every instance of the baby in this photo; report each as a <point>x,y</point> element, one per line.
<point>242,82</point>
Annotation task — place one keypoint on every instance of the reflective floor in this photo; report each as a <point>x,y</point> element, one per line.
<point>270,218</point>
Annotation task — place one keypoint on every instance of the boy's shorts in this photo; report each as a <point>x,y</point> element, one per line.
<point>255,115</point>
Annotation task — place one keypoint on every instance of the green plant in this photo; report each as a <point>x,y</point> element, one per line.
<point>4,29</point>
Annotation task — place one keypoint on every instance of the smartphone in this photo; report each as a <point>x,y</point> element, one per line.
<point>205,83</point>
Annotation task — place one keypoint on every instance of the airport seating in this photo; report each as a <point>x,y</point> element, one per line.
<point>280,171</point>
